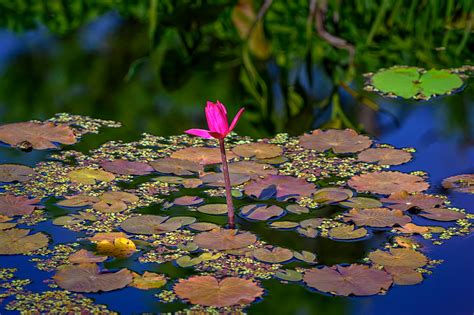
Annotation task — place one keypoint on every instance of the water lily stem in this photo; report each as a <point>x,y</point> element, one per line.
<point>228,188</point>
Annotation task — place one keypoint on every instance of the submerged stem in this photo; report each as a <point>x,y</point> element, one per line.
<point>228,191</point>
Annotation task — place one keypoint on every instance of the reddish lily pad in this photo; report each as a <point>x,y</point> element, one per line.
<point>11,205</point>
<point>405,201</point>
<point>224,239</point>
<point>188,201</point>
<point>442,214</point>
<point>347,232</point>
<point>124,167</point>
<point>280,186</point>
<point>39,136</point>
<point>377,217</point>
<point>273,255</point>
<point>462,183</point>
<point>261,212</point>
<point>355,279</point>
<point>15,173</point>
<point>398,257</point>
<point>260,150</point>
<point>176,166</point>
<point>84,256</point>
<point>208,291</point>
<point>404,275</point>
<point>388,182</point>
<point>202,155</point>
<point>340,141</point>
<point>78,201</point>
<point>384,156</point>
<point>88,278</point>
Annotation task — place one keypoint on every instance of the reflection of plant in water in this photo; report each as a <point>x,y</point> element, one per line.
<point>293,194</point>
<point>294,60</point>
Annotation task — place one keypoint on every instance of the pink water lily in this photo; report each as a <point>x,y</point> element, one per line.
<point>216,116</point>
<point>217,121</point>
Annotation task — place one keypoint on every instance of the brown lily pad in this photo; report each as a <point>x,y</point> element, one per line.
<point>260,150</point>
<point>273,255</point>
<point>347,232</point>
<point>15,173</point>
<point>462,183</point>
<point>188,201</point>
<point>147,281</point>
<point>313,223</point>
<point>125,167</point>
<point>38,136</point>
<point>84,256</point>
<point>88,278</point>
<point>107,236</point>
<point>361,203</point>
<point>208,291</point>
<point>340,141</point>
<point>78,201</point>
<point>411,228</point>
<point>114,201</point>
<point>222,239</point>
<point>404,275</point>
<point>297,209</point>
<point>202,155</point>
<point>149,225</point>
<point>283,225</point>
<point>398,257</point>
<point>442,214</point>
<point>11,205</point>
<point>404,201</point>
<point>90,176</point>
<point>252,169</point>
<point>217,179</point>
<point>377,217</point>
<point>261,212</point>
<point>176,166</point>
<point>279,186</point>
<point>213,208</point>
<point>17,241</point>
<point>388,182</point>
<point>355,279</point>
<point>332,194</point>
<point>384,156</point>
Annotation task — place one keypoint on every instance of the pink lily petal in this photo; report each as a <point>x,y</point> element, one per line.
<point>217,135</point>
<point>222,107</point>
<point>236,119</point>
<point>200,133</point>
<point>216,119</point>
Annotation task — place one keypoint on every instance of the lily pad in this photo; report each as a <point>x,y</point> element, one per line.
<point>405,201</point>
<point>78,201</point>
<point>260,150</point>
<point>188,261</point>
<point>331,195</point>
<point>377,217</point>
<point>217,179</point>
<point>17,241</point>
<point>398,257</point>
<point>283,225</point>
<point>388,182</point>
<point>347,232</point>
<point>88,278</point>
<point>222,239</point>
<point>442,214</point>
<point>188,201</point>
<point>11,205</point>
<point>384,156</point>
<point>202,155</point>
<point>176,166</point>
<point>84,256</point>
<point>209,291</point>
<point>411,82</point>
<point>361,203</point>
<point>273,255</point>
<point>355,279</point>
<point>125,167</point>
<point>340,141</point>
<point>147,281</point>
<point>213,208</point>
<point>149,224</point>
<point>15,173</point>
<point>297,209</point>
<point>462,183</point>
<point>90,176</point>
<point>307,257</point>
<point>279,186</point>
<point>261,212</point>
<point>411,228</point>
<point>289,275</point>
<point>38,136</point>
<point>203,226</point>
<point>252,169</point>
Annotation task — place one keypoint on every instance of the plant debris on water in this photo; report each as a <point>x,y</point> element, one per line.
<point>129,207</point>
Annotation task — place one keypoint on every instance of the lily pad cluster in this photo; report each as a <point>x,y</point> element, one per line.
<point>160,201</point>
<point>415,83</point>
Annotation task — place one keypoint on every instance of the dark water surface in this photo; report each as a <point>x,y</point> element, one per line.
<point>40,76</point>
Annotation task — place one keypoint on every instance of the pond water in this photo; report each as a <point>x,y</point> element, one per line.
<point>83,74</point>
